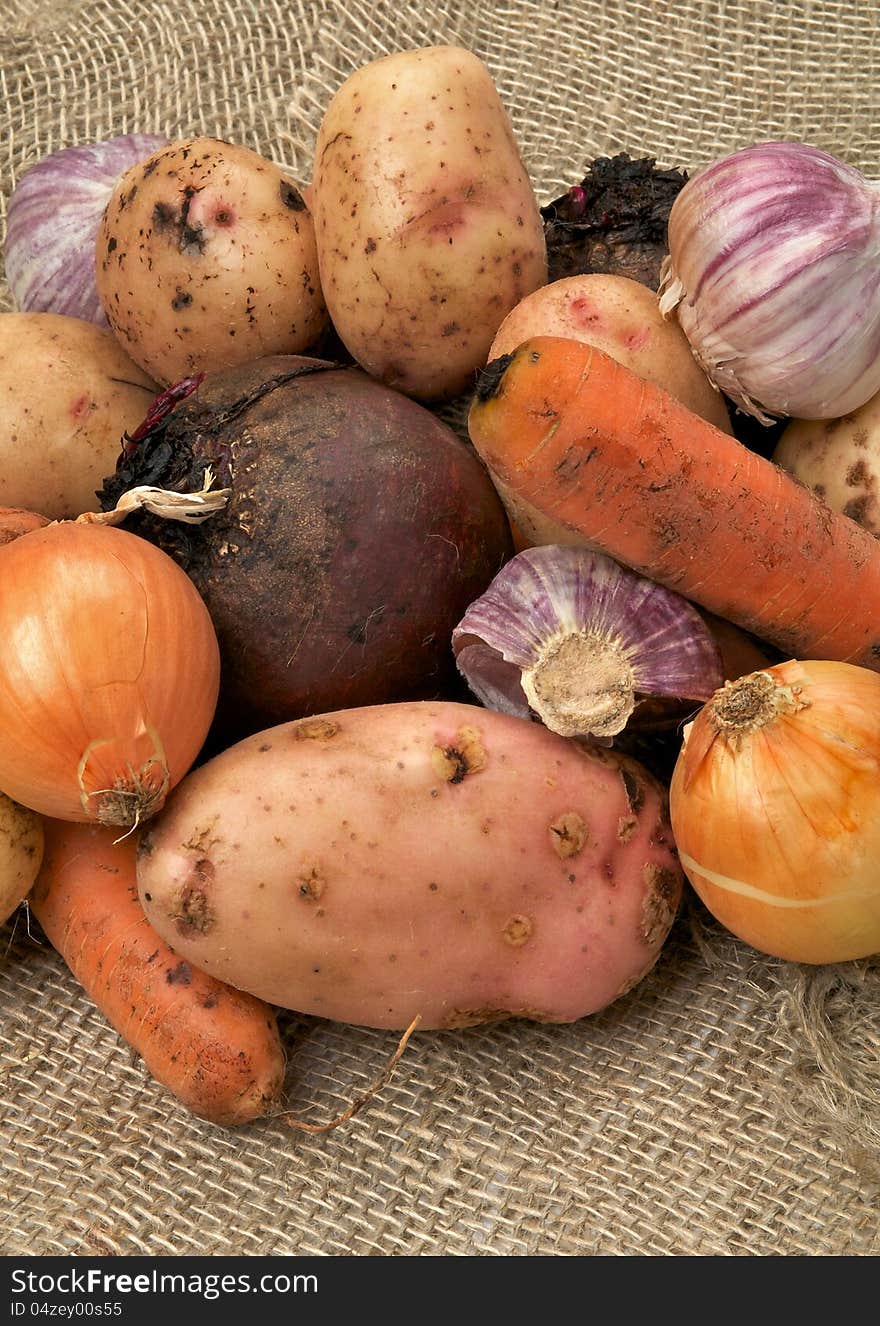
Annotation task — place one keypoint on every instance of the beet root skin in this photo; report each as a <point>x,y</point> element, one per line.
<point>358,530</point>
<point>614,221</point>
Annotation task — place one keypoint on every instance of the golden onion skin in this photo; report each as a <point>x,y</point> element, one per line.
<point>775,809</point>
<point>109,673</point>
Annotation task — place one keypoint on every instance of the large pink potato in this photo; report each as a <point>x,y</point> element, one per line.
<point>421,858</point>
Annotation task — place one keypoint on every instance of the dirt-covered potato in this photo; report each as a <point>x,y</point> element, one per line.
<point>358,530</point>
<point>21,853</point>
<point>438,860</point>
<point>205,258</point>
<point>839,459</point>
<point>427,226</point>
<point>622,317</point>
<point>68,392</point>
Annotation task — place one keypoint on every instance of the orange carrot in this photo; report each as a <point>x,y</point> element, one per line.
<point>740,653</point>
<point>583,451</point>
<point>217,1049</point>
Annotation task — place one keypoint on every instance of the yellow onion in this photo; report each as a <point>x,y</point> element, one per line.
<point>775,807</point>
<point>109,673</point>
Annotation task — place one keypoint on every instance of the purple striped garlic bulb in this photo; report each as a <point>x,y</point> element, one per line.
<point>567,635</point>
<point>774,275</point>
<point>52,225</point>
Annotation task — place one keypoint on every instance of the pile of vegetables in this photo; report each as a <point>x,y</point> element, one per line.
<point>308,701</point>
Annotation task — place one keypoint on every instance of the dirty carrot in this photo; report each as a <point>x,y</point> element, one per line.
<point>217,1049</point>
<point>584,451</point>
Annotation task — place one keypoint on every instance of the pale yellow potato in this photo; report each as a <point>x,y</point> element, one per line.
<point>206,258</point>
<point>621,317</point>
<point>839,459</point>
<point>416,859</point>
<point>68,393</point>
<point>427,225</point>
<point>21,853</point>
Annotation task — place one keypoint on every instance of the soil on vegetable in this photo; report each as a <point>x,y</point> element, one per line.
<point>661,902</point>
<point>614,221</point>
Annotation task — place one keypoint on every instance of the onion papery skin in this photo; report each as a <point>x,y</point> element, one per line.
<point>778,826</point>
<point>109,673</point>
<point>52,225</point>
<point>774,275</point>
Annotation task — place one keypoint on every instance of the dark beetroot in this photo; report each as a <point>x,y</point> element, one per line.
<point>614,221</point>
<point>359,529</point>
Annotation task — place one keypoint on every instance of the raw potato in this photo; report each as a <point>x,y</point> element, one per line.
<point>68,392</point>
<point>427,226</point>
<point>621,317</point>
<point>437,859</point>
<point>206,258</point>
<point>839,459</point>
<point>21,853</point>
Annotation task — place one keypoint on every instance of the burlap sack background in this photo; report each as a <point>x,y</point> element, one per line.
<point>730,1105</point>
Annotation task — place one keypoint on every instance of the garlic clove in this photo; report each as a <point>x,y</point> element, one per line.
<point>499,680</point>
<point>582,643</point>
<point>53,218</point>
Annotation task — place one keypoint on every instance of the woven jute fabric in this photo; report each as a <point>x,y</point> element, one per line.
<point>730,1104</point>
